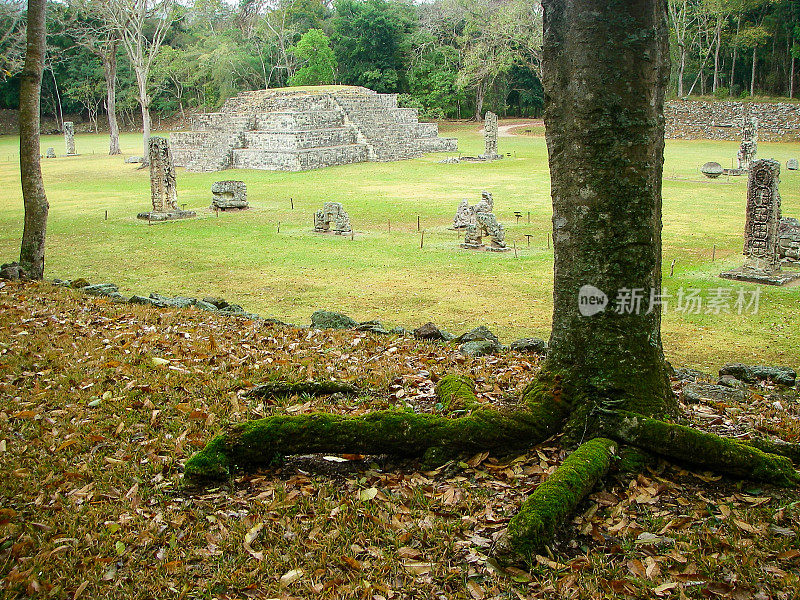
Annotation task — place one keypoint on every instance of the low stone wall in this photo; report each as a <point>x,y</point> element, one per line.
<point>723,120</point>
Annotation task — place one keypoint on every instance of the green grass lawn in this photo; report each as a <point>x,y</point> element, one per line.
<point>383,273</point>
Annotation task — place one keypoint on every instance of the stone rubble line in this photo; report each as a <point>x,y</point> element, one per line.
<point>476,342</point>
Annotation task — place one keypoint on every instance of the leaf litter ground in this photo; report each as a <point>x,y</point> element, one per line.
<point>102,404</point>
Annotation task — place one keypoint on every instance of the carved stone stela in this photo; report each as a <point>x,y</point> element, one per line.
<point>749,147</point>
<point>229,195</point>
<point>69,138</point>
<point>490,137</point>
<point>162,184</point>
<point>761,230</point>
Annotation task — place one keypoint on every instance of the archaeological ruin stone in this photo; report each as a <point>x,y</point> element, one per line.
<point>749,146</point>
<point>162,184</point>
<point>294,129</point>
<point>332,219</point>
<point>712,170</point>
<point>463,215</point>
<point>483,222</point>
<point>789,240</point>
<point>51,153</point>
<point>490,137</point>
<point>761,231</point>
<point>229,195</point>
<point>69,137</point>
<point>792,164</point>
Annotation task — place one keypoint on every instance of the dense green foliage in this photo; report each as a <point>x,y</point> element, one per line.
<point>449,58</point>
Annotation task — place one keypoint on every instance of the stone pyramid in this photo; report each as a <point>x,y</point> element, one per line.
<point>294,129</point>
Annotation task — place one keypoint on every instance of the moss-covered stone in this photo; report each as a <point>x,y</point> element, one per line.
<point>554,501</point>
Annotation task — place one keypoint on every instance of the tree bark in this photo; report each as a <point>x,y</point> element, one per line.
<point>144,102</point>
<point>604,124</point>
<point>110,73</point>
<point>717,45</point>
<point>31,256</point>
<point>753,75</point>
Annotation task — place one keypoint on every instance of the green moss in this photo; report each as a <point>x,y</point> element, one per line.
<point>552,503</point>
<point>210,463</point>
<point>688,445</point>
<point>456,392</point>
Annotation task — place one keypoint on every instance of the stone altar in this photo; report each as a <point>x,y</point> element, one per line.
<point>332,218</point>
<point>789,240</point>
<point>229,195</point>
<point>51,153</point>
<point>463,215</point>
<point>69,137</point>
<point>162,184</point>
<point>483,222</point>
<point>761,230</point>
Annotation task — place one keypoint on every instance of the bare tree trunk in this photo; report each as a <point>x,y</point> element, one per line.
<point>144,102</point>
<point>480,94</point>
<point>735,51</point>
<point>31,256</point>
<point>681,69</point>
<point>110,73</point>
<point>753,75</point>
<point>604,125</point>
<point>717,44</point>
<point>791,78</point>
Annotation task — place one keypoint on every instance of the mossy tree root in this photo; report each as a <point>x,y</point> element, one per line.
<point>787,449</point>
<point>312,388</point>
<point>688,445</point>
<point>555,500</point>
<point>456,392</point>
<point>399,433</point>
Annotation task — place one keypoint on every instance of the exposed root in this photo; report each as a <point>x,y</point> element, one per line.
<point>456,392</point>
<point>312,388</point>
<point>787,449</point>
<point>554,501</point>
<point>688,445</point>
<point>403,434</point>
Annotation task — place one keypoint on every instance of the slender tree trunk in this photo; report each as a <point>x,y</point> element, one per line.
<point>144,102</point>
<point>735,51</point>
<point>717,44</point>
<point>681,69</point>
<point>110,73</point>
<point>604,125</point>
<point>791,78</point>
<point>753,75</point>
<point>480,94</point>
<point>31,256</point>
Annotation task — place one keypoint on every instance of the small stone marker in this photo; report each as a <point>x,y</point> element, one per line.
<point>131,160</point>
<point>51,153</point>
<point>69,137</point>
<point>712,170</point>
<point>762,261</point>
<point>229,195</point>
<point>792,164</point>
<point>332,218</point>
<point>789,240</point>
<point>162,184</point>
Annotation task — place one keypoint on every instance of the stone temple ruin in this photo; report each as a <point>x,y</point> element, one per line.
<point>482,223</point>
<point>332,219</point>
<point>229,195</point>
<point>162,184</point>
<point>294,129</point>
<point>761,231</point>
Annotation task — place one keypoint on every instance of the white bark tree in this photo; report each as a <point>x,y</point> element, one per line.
<point>141,26</point>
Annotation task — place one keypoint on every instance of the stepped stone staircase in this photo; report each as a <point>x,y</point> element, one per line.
<point>294,129</point>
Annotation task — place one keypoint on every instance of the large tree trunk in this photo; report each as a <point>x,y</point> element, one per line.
<point>480,94</point>
<point>31,256</point>
<point>604,123</point>
<point>110,73</point>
